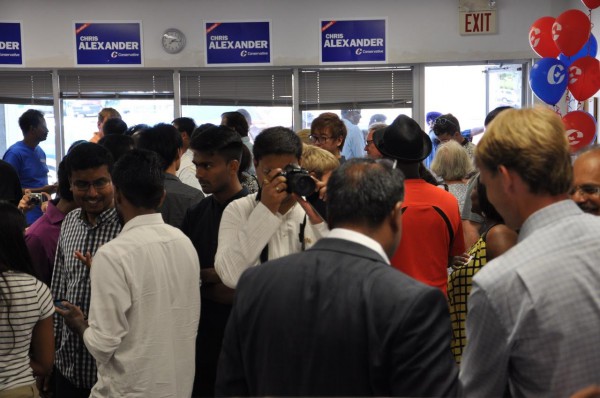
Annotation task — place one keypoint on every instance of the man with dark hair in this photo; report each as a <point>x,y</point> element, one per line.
<point>117,145</point>
<point>83,231</point>
<point>29,160</point>
<point>532,323</point>
<point>187,171</point>
<point>165,140</point>
<point>430,214</point>
<point>145,294</point>
<point>217,153</point>
<point>238,122</point>
<point>446,128</point>
<point>355,141</point>
<point>337,320</point>
<point>103,116</point>
<point>114,126</point>
<point>42,236</point>
<point>328,132</point>
<point>272,223</point>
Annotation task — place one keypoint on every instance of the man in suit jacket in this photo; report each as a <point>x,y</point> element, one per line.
<point>337,319</point>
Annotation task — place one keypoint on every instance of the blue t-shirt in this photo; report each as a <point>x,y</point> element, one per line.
<point>30,164</point>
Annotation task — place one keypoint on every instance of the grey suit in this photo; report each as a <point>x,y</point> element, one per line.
<point>336,320</point>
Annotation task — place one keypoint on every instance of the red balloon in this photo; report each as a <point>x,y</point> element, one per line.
<point>581,129</point>
<point>540,38</point>
<point>584,78</point>
<point>591,4</point>
<point>571,31</point>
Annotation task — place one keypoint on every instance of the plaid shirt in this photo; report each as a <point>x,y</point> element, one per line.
<point>71,282</point>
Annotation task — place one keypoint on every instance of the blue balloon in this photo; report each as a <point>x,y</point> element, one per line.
<point>548,79</point>
<point>590,48</point>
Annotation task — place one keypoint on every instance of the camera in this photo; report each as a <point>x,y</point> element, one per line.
<point>299,180</point>
<point>36,199</point>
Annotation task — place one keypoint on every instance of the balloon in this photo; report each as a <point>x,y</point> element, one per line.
<point>548,80</point>
<point>584,78</point>
<point>590,48</point>
<point>540,38</point>
<point>591,4</point>
<point>571,31</point>
<point>581,129</point>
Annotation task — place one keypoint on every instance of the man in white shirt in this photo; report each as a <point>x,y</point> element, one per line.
<point>187,171</point>
<point>145,302</point>
<point>272,223</point>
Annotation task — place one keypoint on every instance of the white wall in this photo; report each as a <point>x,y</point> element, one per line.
<point>418,30</point>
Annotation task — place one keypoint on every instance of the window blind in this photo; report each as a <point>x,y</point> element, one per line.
<point>363,88</point>
<point>237,87</point>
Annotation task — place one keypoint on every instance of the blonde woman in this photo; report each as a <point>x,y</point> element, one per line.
<point>453,165</point>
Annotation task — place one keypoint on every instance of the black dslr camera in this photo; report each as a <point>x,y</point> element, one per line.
<point>298,180</point>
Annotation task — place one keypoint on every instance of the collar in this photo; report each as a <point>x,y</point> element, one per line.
<point>548,215</point>
<point>106,217</point>
<point>54,215</point>
<point>357,237</point>
<point>145,219</point>
<point>171,177</point>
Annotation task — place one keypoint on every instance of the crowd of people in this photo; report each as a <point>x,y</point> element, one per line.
<point>179,260</point>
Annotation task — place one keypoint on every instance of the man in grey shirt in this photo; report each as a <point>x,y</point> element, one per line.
<point>532,326</point>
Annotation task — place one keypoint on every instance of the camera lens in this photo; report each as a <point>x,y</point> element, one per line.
<point>301,184</point>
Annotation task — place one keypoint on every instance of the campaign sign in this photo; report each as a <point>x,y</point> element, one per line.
<point>11,51</point>
<point>353,41</point>
<point>238,43</point>
<point>108,43</point>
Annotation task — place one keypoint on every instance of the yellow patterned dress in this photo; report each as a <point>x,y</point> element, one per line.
<point>459,287</point>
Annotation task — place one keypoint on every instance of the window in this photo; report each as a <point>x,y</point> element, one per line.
<point>265,94</point>
<point>374,90</point>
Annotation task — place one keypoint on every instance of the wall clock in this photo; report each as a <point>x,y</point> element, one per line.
<point>173,41</point>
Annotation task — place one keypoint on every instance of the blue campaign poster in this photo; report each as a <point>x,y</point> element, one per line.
<point>238,43</point>
<point>11,48</point>
<point>353,41</point>
<point>108,43</point>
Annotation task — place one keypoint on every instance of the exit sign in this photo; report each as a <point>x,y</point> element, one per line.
<point>477,22</point>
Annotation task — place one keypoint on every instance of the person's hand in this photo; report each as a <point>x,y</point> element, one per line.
<point>460,260</point>
<point>273,191</point>
<point>73,316</point>
<point>322,189</point>
<point>588,392</point>
<point>51,188</point>
<point>313,216</point>
<point>24,204</point>
<point>44,385</point>
<point>84,258</point>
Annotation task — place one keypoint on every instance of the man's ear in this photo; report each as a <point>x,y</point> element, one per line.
<point>162,199</point>
<point>234,166</point>
<point>396,218</point>
<point>507,178</point>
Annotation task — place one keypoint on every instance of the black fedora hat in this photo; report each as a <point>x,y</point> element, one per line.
<point>403,140</point>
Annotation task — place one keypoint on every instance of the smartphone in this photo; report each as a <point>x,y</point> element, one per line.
<point>58,303</point>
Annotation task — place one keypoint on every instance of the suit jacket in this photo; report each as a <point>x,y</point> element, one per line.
<point>336,320</point>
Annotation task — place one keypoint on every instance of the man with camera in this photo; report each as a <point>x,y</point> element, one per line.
<point>274,222</point>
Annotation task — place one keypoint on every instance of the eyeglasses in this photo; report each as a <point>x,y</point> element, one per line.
<point>317,139</point>
<point>587,189</point>
<point>442,121</point>
<point>369,142</point>
<point>85,185</point>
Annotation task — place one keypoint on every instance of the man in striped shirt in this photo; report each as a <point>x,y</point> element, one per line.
<point>84,230</point>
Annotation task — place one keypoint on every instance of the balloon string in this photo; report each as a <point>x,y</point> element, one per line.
<point>557,110</point>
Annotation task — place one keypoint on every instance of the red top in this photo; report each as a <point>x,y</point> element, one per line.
<point>426,240</point>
